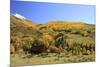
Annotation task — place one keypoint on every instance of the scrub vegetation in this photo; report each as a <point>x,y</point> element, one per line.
<point>51,43</point>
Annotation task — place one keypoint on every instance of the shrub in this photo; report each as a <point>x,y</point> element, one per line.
<point>53,49</point>
<point>37,47</point>
<point>15,42</point>
<point>12,49</point>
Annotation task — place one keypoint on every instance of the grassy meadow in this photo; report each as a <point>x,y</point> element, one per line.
<point>54,42</point>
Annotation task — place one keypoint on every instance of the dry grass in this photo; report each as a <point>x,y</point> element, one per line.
<point>22,60</point>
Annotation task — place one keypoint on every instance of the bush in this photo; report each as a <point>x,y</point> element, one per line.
<point>53,49</point>
<point>37,47</point>
<point>12,49</point>
<point>15,43</point>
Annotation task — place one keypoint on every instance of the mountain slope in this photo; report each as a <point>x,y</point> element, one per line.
<point>24,27</point>
<point>53,35</point>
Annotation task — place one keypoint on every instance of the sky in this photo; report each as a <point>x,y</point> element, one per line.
<point>41,12</point>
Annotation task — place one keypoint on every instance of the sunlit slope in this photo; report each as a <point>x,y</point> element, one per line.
<point>52,25</point>
<point>54,36</point>
<point>21,27</point>
<point>24,22</point>
<point>66,25</point>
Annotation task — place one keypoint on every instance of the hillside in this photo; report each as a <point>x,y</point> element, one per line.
<point>22,27</point>
<point>55,41</point>
<point>54,36</point>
